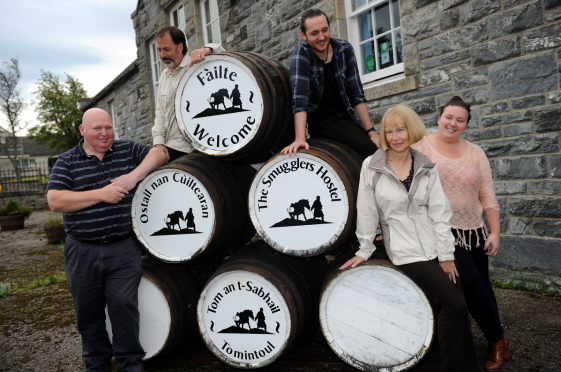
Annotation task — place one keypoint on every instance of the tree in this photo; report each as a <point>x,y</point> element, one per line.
<point>11,105</point>
<point>57,108</point>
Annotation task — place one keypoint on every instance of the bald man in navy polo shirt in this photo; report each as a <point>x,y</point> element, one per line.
<point>90,185</point>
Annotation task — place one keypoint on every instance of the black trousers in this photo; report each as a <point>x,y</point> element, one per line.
<point>100,275</point>
<point>343,129</point>
<point>174,154</point>
<point>457,351</point>
<point>473,266</point>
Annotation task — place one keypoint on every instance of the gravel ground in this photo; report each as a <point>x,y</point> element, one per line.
<point>38,330</point>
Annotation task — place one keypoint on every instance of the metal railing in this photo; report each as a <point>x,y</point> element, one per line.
<point>28,181</point>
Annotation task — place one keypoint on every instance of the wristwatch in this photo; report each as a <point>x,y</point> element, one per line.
<point>369,130</point>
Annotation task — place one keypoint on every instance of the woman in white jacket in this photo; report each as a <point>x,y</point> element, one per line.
<point>400,190</point>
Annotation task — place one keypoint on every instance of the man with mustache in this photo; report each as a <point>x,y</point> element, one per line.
<point>326,90</point>
<point>172,49</point>
<point>90,184</point>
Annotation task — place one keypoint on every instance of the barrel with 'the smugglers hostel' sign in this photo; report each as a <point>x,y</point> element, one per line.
<point>304,205</point>
<point>236,106</point>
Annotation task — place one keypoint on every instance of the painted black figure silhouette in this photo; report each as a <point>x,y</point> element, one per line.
<point>297,209</point>
<point>260,318</point>
<point>217,99</point>
<point>172,219</point>
<point>235,97</point>
<point>190,219</point>
<point>317,208</point>
<point>242,318</point>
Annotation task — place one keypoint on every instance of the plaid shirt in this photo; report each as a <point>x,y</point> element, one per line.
<point>306,77</point>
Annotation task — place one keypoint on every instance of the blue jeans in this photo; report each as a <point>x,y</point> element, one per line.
<point>100,275</point>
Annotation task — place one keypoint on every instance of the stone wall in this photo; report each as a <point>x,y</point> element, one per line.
<point>503,58</point>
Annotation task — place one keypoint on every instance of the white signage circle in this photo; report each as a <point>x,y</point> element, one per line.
<point>374,315</point>
<point>219,105</point>
<point>243,319</point>
<point>298,204</point>
<point>155,318</point>
<point>173,215</point>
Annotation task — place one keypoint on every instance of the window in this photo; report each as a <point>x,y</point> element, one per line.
<point>177,17</point>
<point>112,108</point>
<point>375,33</point>
<point>157,65</point>
<point>211,24</point>
<point>26,164</point>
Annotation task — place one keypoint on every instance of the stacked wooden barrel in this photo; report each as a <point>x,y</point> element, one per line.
<point>263,301</point>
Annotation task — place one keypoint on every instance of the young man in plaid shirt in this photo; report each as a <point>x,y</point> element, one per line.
<point>326,90</point>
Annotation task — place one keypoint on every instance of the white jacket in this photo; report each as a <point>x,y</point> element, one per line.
<point>415,225</point>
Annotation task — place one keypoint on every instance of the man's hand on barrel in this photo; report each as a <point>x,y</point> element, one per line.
<point>294,146</point>
<point>198,55</point>
<point>450,269</point>
<point>352,263</point>
<point>163,148</point>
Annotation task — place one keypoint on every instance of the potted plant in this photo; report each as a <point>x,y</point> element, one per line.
<point>55,229</point>
<point>13,215</point>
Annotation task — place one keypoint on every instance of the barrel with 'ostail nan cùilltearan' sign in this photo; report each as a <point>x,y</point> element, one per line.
<point>260,306</point>
<point>374,317</point>
<point>193,209</point>
<point>305,205</point>
<point>236,106</point>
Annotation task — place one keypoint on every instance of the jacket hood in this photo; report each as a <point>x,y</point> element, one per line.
<point>379,160</point>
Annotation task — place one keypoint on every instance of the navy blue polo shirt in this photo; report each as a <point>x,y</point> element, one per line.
<point>77,171</point>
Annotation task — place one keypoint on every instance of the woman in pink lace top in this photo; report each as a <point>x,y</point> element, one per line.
<point>468,184</point>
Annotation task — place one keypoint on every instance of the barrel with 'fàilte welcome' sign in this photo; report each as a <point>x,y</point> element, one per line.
<point>374,317</point>
<point>305,205</point>
<point>236,106</point>
<point>193,209</point>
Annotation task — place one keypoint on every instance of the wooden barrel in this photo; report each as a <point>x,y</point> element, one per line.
<point>193,209</point>
<point>236,106</point>
<point>167,298</point>
<point>374,317</point>
<point>260,306</point>
<point>305,205</point>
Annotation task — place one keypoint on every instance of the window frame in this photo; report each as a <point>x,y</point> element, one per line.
<point>354,39</point>
<point>112,108</point>
<point>155,63</point>
<point>179,9</point>
<point>213,5</point>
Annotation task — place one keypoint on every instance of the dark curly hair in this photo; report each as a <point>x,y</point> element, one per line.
<point>457,101</point>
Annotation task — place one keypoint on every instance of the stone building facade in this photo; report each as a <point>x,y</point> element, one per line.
<point>501,56</point>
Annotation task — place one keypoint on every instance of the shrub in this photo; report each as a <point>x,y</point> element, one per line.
<point>12,208</point>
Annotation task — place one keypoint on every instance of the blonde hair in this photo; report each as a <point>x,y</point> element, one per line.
<point>412,121</point>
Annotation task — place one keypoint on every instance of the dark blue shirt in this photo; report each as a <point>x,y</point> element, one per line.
<point>77,171</point>
<point>307,77</point>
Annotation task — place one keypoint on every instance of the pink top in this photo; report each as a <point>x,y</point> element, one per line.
<point>467,183</point>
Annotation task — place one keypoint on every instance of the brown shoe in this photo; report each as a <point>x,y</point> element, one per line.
<point>498,353</point>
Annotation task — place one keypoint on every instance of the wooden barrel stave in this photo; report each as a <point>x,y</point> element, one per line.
<point>226,185</point>
<point>276,127</point>
<point>390,345</point>
<point>281,272</point>
<point>167,305</point>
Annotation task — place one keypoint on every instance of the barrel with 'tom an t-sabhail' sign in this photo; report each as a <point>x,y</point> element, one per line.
<point>260,306</point>
<point>305,205</point>
<point>374,317</point>
<point>167,298</point>
<point>236,106</point>
<point>193,208</point>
